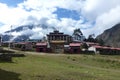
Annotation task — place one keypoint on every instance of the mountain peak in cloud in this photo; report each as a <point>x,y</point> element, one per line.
<point>27,32</point>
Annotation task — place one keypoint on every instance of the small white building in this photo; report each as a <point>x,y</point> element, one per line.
<point>104,50</point>
<point>95,49</point>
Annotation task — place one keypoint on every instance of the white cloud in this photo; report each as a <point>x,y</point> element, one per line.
<point>107,20</point>
<point>11,15</point>
<point>38,33</point>
<point>105,14</point>
<point>50,4</point>
<point>94,8</point>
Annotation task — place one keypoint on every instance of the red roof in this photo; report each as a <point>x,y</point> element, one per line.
<point>98,46</point>
<point>105,47</point>
<point>41,44</point>
<point>75,44</point>
<point>102,47</point>
<point>115,48</point>
<point>22,43</point>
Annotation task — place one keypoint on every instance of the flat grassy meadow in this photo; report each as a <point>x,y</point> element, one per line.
<point>61,67</point>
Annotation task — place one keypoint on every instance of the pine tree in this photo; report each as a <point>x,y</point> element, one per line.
<point>78,35</point>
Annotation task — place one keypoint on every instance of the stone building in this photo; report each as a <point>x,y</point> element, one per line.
<point>57,40</point>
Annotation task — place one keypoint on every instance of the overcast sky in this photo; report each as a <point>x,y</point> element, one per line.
<point>91,16</point>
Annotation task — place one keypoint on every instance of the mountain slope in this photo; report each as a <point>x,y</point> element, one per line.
<point>23,27</point>
<point>23,32</point>
<point>111,36</point>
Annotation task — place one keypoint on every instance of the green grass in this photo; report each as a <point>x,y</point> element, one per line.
<point>62,67</point>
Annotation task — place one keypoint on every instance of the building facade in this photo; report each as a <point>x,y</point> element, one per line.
<point>41,47</point>
<point>24,46</point>
<point>57,40</point>
<point>75,47</point>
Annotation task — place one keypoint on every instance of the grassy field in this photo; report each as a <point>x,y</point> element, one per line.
<point>61,67</point>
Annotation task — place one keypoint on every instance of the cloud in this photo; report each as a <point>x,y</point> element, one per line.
<point>93,8</point>
<point>50,4</point>
<point>10,15</point>
<point>107,20</point>
<point>95,15</point>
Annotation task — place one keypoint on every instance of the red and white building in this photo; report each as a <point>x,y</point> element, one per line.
<point>75,47</point>
<point>41,47</point>
<point>104,50</point>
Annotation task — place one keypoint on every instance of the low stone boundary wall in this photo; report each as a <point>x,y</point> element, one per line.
<point>8,56</point>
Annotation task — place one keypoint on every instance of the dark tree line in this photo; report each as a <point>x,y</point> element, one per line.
<point>95,40</point>
<point>78,35</point>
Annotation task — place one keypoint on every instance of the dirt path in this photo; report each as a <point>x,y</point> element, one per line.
<point>33,53</point>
